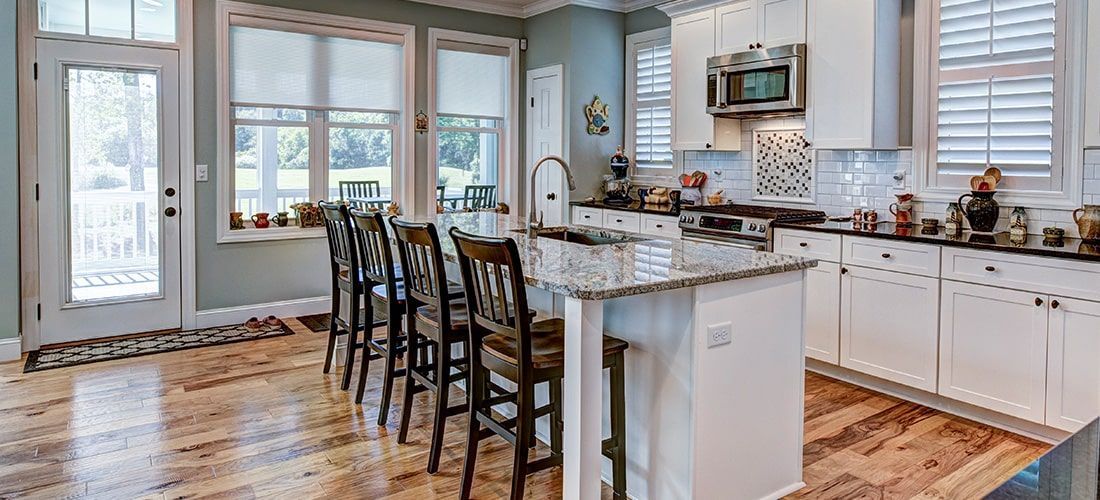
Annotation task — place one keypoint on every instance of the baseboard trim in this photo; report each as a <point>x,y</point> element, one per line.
<point>11,349</point>
<point>937,402</point>
<point>281,309</point>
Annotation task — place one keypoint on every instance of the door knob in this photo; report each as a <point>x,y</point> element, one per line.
<point>551,196</point>
<point>170,212</point>
<point>170,192</point>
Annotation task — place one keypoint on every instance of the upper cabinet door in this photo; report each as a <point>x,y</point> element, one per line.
<point>692,44</point>
<point>781,22</point>
<point>1073,375</point>
<point>735,28</point>
<point>1092,77</point>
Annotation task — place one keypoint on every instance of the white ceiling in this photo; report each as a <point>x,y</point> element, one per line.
<point>528,8</point>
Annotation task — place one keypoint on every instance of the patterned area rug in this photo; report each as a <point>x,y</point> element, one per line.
<point>318,323</point>
<point>93,352</point>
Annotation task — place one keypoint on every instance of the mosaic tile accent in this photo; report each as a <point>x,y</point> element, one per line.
<point>92,352</point>
<point>783,166</point>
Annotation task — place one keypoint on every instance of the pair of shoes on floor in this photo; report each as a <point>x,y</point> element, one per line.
<point>255,324</point>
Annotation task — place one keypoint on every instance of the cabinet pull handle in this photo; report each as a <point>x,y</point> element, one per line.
<point>1038,301</point>
<point>886,256</point>
<point>1055,304</point>
<point>803,244</point>
<point>619,220</point>
<point>990,269</point>
<point>588,217</point>
<point>659,226</point>
<point>844,270</point>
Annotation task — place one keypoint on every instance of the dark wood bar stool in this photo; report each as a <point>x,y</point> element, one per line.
<point>505,341</point>
<point>346,277</point>
<point>438,322</point>
<point>375,256</point>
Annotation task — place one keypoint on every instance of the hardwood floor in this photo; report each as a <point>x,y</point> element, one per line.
<point>259,419</point>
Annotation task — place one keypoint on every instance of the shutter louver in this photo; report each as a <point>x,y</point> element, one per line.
<point>996,87</point>
<point>653,105</point>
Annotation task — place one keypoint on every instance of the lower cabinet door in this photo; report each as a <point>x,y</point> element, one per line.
<point>993,349</point>
<point>1073,364</point>
<point>823,312</point>
<point>888,325</point>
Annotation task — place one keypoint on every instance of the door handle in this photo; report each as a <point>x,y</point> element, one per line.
<point>551,196</point>
<point>170,192</point>
<point>170,212</point>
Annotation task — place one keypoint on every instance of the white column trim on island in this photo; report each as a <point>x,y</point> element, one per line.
<point>583,404</point>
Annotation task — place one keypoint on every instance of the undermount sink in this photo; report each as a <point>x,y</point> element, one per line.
<point>582,237</point>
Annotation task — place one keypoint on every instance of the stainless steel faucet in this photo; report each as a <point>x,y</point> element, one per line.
<point>535,223</point>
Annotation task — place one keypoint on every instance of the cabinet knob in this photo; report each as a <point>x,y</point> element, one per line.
<point>1038,301</point>
<point>886,256</point>
<point>659,226</point>
<point>1055,304</point>
<point>759,45</point>
<point>844,270</point>
<point>803,244</point>
<point>551,196</point>
<point>990,269</point>
<point>619,220</point>
<point>750,46</point>
<point>708,145</point>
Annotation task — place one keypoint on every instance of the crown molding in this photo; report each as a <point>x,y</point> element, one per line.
<point>537,7</point>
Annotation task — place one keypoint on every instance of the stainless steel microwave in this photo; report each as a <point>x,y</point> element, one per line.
<point>758,83</point>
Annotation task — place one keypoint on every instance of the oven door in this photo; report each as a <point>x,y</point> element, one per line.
<point>724,240</point>
<point>757,88</point>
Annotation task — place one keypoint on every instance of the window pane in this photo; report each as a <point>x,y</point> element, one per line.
<point>280,114</point>
<point>109,18</point>
<point>155,20</point>
<point>61,16</point>
<point>272,168</point>
<point>467,159</point>
<point>360,117</point>
<point>458,121</point>
<point>364,156</point>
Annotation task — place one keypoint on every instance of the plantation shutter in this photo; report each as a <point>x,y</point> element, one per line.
<point>653,104</point>
<point>996,90</point>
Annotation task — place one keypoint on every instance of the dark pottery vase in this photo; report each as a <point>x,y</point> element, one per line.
<point>982,211</point>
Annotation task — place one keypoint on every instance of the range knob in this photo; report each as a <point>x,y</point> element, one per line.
<point>762,228</point>
<point>752,227</point>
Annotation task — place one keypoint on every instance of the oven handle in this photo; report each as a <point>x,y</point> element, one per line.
<point>722,241</point>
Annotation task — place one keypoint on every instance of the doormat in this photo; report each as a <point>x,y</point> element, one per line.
<point>318,323</point>
<point>131,347</point>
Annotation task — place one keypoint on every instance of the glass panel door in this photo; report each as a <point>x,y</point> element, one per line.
<point>112,132</point>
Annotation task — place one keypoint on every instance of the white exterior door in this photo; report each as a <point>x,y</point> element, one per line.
<point>1073,370</point>
<point>544,132</point>
<point>108,169</point>
<point>993,349</point>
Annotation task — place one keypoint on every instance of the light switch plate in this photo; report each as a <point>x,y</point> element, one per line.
<point>202,173</point>
<point>719,334</point>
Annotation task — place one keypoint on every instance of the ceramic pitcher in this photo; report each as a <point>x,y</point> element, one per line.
<point>981,211</point>
<point>1088,222</point>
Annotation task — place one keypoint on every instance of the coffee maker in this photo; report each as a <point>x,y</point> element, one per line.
<point>617,185</point>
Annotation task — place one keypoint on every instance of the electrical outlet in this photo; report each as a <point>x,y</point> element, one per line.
<point>899,179</point>
<point>719,334</point>
<point>202,173</point>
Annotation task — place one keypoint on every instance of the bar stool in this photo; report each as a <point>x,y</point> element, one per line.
<point>503,340</point>
<point>375,256</point>
<point>438,322</point>
<point>345,278</point>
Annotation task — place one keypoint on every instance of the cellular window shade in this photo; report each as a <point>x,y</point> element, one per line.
<point>653,104</point>
<point>996,92</point>
<point>287,69</point>
<point>471,83</point>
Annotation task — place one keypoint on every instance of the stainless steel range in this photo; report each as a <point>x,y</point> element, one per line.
<point>745,226</point>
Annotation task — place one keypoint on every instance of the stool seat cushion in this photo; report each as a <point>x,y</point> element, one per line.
<point>547,345</point>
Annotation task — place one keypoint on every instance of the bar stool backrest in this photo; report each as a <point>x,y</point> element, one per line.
<point>340,246</point>
<point>422,265</point>
<point>372,240</point>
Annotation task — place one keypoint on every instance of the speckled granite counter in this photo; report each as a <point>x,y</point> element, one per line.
<point>623,269</point>
<point>1070,248</point>
<point>635,206</point>
<point>1069,471</point>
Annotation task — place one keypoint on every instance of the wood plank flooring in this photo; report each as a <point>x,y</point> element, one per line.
<point>259,419</point>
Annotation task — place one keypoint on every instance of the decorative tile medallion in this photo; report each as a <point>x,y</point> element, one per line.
<point>782,166</point>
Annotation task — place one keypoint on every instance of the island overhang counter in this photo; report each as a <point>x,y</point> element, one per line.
<point>714,376</point>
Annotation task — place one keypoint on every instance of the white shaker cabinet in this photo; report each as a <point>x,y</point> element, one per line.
<point>993,348</point>
<point>1073,363</point>
<point>823,312</point>
<point>692,44</point>
<point>781,22</point>
<point>1092,76</point>
<point>735,27</point>
<point>852,81</point>
<point>888,325</point>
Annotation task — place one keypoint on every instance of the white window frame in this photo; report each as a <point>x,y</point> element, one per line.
<point>325,25</point>
<point>1068,155</point>
<point>631,79</point>
<point>183,8</point>
<point>509,175</point>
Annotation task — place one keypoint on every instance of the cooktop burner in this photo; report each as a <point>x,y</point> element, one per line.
<point>757,211</point>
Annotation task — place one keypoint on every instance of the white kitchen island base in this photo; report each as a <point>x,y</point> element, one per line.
<point>721,422</point>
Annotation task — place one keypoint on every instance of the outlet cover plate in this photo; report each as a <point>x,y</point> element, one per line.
<point>720,334</point>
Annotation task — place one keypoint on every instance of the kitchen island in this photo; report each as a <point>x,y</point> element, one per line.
<point>702,422</point>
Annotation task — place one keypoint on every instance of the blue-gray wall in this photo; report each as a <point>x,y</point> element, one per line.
<point>9,176</point>
<point>646,19</point>
<point>252,273</point>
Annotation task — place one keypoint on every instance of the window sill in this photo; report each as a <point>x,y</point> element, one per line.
<point>1030,200</point>
<point>250,234</point>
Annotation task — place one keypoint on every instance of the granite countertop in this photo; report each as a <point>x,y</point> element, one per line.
<point>1071,248</point>
<point>617,270</point>
<point>634,206</point>
<point>1069,471</point>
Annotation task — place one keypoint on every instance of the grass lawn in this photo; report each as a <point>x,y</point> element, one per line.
<point>291,179</point>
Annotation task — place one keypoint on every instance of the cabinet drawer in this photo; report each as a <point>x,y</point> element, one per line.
<point>912,258</point>
<point>821,246</point>
<point>1023,272</point>
<point>622,221</point>
<point>587,216</point>
<point>659,225</point>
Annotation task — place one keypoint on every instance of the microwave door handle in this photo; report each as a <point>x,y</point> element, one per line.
<point>722,90</point>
